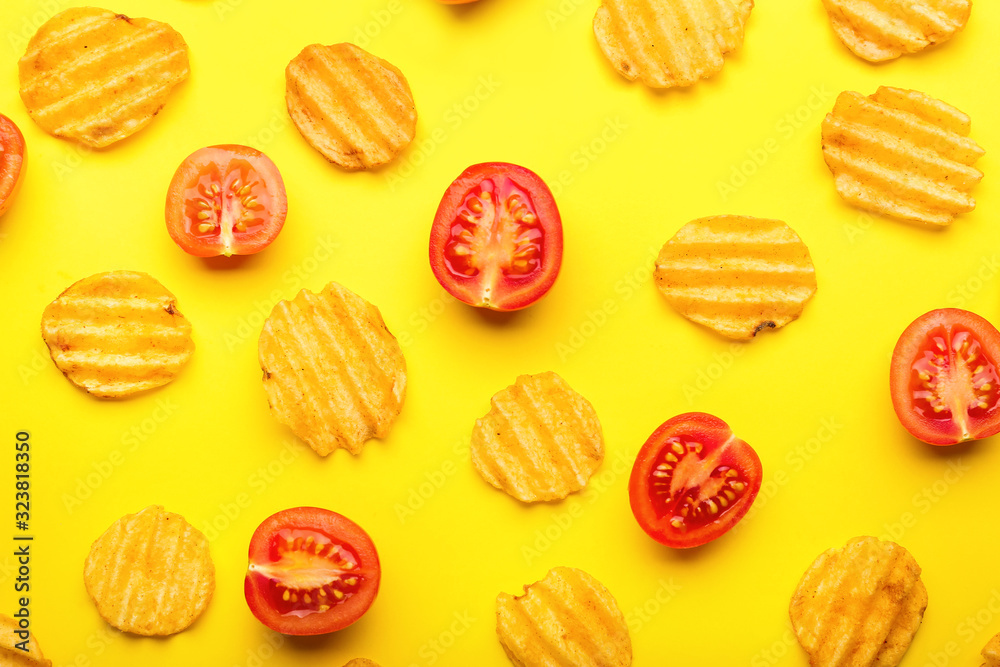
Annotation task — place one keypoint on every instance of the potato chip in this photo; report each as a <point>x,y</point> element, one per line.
<point>97,77</point>
<point>362,662</point>
<point>903,154</point>
<point>332,371</point>
<point>354,108</point>
<point>991,652</point>
<point>117,333</point>
<point>150,573</point>
<point>737,275</point>
<point>859,605</point>
<point>885,29</point>
<point>567,618</point>
<point>11,653</point>
<point>666,43</point>
<point>540,440</point>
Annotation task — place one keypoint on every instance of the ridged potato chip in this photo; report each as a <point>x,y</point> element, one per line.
<point>362,662</point>
<point>540,440</point>
<point>879,30</point>
<point>903,154</point>
<point>332,371</point>
<point>150,573</point>
<point>736,275</point>
<point>859,605</point>
<point>10,654</point>
<point>352,107</point>
<point>97,77</point>
<point>117,333</point>
<point>666,43</point>
<point>991,652</point>
<point>567,618</point>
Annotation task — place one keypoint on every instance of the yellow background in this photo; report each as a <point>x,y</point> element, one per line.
<point>629,167</point>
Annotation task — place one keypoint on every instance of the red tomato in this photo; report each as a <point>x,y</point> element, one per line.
<point>226,200</point>
<point>693,480</point>
<point>312,571</point>
<point>497,237</point>
<point>11,161</point>
<point>943,377</point>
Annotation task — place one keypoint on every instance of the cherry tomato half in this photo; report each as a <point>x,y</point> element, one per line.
<point>311,571</point>
<point>11,161</point>
<point>497,239</point>
<point>943,377</point>
<point>693,480</point>
<point>226,200</point>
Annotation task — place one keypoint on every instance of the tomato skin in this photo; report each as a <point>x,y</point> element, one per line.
<point>719,451</point>
<point>266,551</point>
<point>12,158</point>
<point>505,265</point>
<point>244,222</point>
<point>969,401</point>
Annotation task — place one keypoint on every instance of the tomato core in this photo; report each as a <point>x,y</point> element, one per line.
<point>214,212</point>
<point>688,489</point>
<point>953,378</point>
<point>496,228</point>
<point>309,572</point>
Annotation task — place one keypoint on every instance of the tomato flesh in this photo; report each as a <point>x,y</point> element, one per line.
<point>944,381</point>
<point>226,200</point>
<point>693,480</point>
<point>496,241</point>
<point>11,162</point>
<point>311,571</point>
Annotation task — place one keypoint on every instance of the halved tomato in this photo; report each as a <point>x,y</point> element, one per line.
<point>311,571</point>
<point>226,200</point>
<point>943,377</point>
<point>497,239</point>
<point>11,161</point>
<point>693,480</point>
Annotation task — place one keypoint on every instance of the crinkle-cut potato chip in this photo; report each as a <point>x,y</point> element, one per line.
<point>117,333</point>
<point>150,573</point>
<point>10,654</point>
<point>540,440</point>
<point>903,154</point>
<point>991,652</point>
<point>332,371</point>
<point>879,30</point>
<point>859,605</point>
<point>97,77</point>
<point>737,275</point>
<point>362,662</point>
<point>667,43</point>
<point>567,618</point>
<point>354,108</point>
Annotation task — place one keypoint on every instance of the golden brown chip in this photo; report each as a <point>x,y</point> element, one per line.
<point>567,618</point>
<point>878,30</point>
<point>859,605</point>
<point>97,77</point>
<point>903,154</point>
<point>666,43</point>
<point>991,652</point>
<point>540,440</point>
<point>16,649</point>
<point>117,333</point>
<point>150,573</point>
<point>362,662</point>
<point>332,371</point>
<point>735,274</point>
<point>354,108</point>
